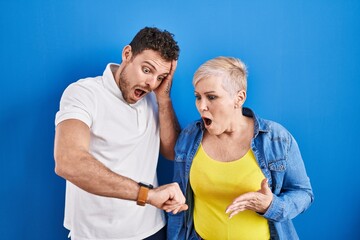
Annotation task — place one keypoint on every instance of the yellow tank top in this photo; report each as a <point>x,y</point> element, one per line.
<point>215,185</point>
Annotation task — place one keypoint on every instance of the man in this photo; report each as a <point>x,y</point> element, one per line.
<point>109,130</point>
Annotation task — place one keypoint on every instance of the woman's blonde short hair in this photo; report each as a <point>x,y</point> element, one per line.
<point>232,71</point>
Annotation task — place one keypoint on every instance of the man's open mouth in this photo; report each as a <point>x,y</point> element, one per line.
<point>139,92</point>
<point>207,121</point>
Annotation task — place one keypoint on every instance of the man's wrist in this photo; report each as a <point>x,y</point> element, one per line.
<point>150,194</point>
<point>163,99</point>
<point>143,193</point>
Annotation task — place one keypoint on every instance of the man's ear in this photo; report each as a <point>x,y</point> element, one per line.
<point>126,53</point>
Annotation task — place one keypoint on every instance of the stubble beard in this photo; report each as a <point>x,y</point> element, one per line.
<point>124,86</point>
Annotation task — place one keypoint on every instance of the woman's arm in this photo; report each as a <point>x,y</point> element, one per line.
<point>296,193</point>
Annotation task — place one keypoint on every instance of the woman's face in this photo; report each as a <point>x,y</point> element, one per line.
<point>215,105</point>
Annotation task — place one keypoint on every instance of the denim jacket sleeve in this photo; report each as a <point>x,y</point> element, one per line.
<point>292,192</point>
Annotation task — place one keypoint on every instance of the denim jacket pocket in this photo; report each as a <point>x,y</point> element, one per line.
<point>277,170</point>
<point>278,166</point>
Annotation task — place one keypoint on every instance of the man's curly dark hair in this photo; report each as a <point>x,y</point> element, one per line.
<point>152,38</point>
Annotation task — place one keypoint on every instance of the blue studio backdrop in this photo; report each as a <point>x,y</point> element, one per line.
<point>303,59</point>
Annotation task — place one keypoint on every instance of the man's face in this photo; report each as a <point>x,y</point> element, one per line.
<point>142,74</point>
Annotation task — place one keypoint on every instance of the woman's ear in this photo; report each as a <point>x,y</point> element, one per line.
<point>126,53</point>
<point>240,98</point>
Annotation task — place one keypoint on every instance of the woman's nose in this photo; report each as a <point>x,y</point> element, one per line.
<point>203,106</point>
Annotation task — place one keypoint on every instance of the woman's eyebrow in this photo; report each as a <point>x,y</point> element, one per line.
<point>208,92</point>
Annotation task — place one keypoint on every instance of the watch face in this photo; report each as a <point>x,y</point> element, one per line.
<point>146,185</point>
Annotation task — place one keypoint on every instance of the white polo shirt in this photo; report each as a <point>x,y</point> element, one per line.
<point>125,138</point>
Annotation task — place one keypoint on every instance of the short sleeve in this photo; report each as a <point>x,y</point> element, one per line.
<point>77,102</point>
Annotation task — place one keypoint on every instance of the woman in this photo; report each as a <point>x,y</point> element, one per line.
<point>243,176</point>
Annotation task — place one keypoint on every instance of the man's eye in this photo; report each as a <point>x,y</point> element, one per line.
<point>146,70</point>
<point>161,78</point>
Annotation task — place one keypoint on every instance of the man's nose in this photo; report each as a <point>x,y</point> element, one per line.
<point>152,82</point>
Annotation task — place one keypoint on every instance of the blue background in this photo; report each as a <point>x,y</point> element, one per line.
<point>303,59</point>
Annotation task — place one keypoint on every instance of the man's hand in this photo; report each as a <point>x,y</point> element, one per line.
<point>256,201</point>
<point>163,91</point>
<point>169,125</point>
<point>168,197</point>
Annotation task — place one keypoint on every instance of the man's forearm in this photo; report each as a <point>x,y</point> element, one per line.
<point>91,175</point>
<point>169,128</point>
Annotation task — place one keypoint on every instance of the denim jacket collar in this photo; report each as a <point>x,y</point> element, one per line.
<point>260,126</point>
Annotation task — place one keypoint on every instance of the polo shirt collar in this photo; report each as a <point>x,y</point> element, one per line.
<point>111,86</point>
<point>109,80</point>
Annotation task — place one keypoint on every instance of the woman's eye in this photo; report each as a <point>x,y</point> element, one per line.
<point>197,97</point>
<point>211,97</point>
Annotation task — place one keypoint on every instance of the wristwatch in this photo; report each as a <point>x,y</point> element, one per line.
<point>143,193</point>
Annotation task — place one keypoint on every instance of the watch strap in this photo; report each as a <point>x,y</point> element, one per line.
<point>143,193</point>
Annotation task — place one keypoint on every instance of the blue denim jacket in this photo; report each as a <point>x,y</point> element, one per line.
<point>279,158</point>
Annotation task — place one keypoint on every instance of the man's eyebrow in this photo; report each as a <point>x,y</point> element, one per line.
<point>149,63</point>
<point>153,67</point>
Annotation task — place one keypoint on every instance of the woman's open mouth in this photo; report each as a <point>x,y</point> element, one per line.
<point>207,121</point>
